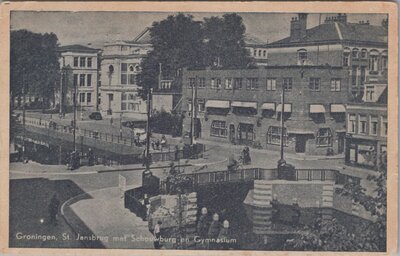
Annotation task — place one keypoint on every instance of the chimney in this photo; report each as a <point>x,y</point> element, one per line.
<point>298,27</point>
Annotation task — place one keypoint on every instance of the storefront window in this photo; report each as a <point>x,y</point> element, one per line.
<point>324,137</point>
<point>218,129</point>
<point>274,135</point>
<point>246,132</point>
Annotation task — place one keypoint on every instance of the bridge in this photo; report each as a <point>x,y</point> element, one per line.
<point>248,175</point>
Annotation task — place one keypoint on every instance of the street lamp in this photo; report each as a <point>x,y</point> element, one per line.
<point>282,161</point>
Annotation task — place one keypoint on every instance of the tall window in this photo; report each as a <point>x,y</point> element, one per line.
<point>124,70</point>
<point>271,84</point>
<point>354,53</point>
<point>128,102</point>
<point>89,62</point>
<point>373,60</point>
<point>89,80</point>
<point>252,83</point>
<point>362,75</point>
<point>201,105</point>
<point>369,93</point>
<point>274,135</point>
<point>128,75</point>
<point>287,83</point>
<point>373,125</point>
<point>81,97</point>
<point>192,82</point>
<point>255,52</point>
<point>76,59</point>
<point>324,137</point>
<point>384,126</point>
<point>384,61</point>
<point>202,82</point>
<point>301,56</point>
<point>237,83</point>
<point>89,97</point>
<point>82,61</point>
<point>218,129</point>
<point>75,80</point>
<point>335,85</point>
<point>315,84</point>
<point>228,83</point>
<point>351,125</point>
<point>265,53</point>
<point>216,83</point>
<point>364,53</point>
<point>354,75</point>
<point>362,124</point>
<point>346,57</point>
<point>82,80</point>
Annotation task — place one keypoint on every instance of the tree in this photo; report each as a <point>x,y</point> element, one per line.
<point>224,41</point>
<point>177,43</point>
<point>330,235</point>
<point>34,63</point>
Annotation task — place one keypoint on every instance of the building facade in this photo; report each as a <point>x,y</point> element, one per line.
<point>120,68</point>
<point>80,69</point>
<point>244,107</point>
<point>366,138</point>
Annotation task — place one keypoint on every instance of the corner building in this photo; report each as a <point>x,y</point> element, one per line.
<point>244,107</point>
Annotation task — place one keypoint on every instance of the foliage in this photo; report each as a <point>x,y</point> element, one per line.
<point>166,123</point>
<point>34,62</point>
<point>181,42</point>
<point>330,235</point>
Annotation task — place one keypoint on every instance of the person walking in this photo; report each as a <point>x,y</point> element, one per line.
<point>157,235</point>
<point>53,209</point>
<point>111,121</point>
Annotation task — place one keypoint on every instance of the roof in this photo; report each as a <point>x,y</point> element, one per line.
<point>339,32</point>
<point>253,40</point>
<point>76,48</point>
<point>143,37</point>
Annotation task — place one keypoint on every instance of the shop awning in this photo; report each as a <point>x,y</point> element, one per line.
<point>287,109</point>
<point>217,104</point>
<point>338,108</point>
<point>317,109</point>
<point>268,106</point>
<point>299,131</point>
<point>244,104</point>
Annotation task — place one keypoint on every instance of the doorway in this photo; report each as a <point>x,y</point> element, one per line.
<point>300,144</point>
<point>232,133</point>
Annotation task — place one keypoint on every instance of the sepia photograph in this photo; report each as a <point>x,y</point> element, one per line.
<point>199,130</point>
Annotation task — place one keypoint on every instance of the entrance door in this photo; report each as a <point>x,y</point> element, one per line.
<point>341,142</point>
<point>232,133</point>
<point>300,144</point>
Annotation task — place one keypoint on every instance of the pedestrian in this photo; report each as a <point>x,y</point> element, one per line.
<point>213,230</point>
<point>224,235</point>
<point>146,203</point>
<point>157,235</point>
<point>232,163</point>
<point>163,141</point>
<point>90,157</point>
<point>53,209</point>
<point>203,223</point>
<point>111,121</point>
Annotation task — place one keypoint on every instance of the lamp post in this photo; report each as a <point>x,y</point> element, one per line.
<point>74,121</point>
<point>120,125</point>
<point>282,160</point>
<point>147,157</point>
<point>23,115</point>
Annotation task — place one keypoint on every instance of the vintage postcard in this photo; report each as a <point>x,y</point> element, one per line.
<point>199,128</point>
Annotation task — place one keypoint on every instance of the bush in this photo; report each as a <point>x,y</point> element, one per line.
<point>166,123</point>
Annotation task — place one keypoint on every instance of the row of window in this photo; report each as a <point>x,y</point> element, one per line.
<point>85,97</point>
<point>253,83</point>
<point>376,61</point>
<point>83,62</point>
<point>259,53</point>
<point>84,79</point>
<point>367,125</point>
<point>246,132</point>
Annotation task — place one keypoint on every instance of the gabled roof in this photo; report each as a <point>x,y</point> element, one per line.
<point>252,40</point>
<point>77,48</point>
<point>339,32</point>
<point>142,38</point>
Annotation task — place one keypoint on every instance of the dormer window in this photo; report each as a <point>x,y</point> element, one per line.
<point>354,53</point>
<point>302,56</point>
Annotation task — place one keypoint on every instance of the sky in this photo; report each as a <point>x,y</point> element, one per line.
<point>96,28</point>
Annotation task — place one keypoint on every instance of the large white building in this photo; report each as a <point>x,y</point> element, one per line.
<point>82,65</point>
<point>120,67</point>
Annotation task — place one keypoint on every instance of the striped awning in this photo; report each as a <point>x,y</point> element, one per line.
<point>244,104</point>
<point>287,108</point>
<point>317,109</point>
<point>338,108</point>
<point>217,104</point>
<point>268,106</point>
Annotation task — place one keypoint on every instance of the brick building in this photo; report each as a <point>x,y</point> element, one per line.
<point>80,69</point>
<point>244,106</point>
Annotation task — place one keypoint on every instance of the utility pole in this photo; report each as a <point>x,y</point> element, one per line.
<point>192,128</point>
<point>61,89</point>
<point>149,91</point>
<point>282,161</point>
<point>23,116</point>
<point>74,123</point>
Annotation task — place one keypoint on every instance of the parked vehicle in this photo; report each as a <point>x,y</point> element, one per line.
<point>95,116</point>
